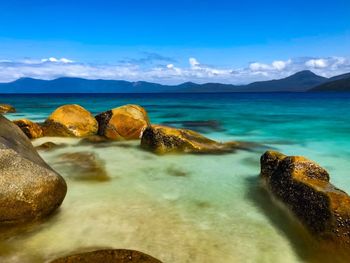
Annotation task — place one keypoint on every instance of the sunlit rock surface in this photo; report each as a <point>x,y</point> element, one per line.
<point>29,188</point>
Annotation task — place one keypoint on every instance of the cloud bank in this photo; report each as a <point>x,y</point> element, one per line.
<point>165,70</point>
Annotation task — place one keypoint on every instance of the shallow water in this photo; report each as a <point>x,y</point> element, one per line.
<point>188,208</point>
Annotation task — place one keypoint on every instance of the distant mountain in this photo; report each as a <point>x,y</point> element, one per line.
<point>337,85</point>
<point>342,76</point>
<point>298,82</point>
<point>79,85</point>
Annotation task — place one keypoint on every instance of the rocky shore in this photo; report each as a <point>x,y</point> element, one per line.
<point>128,122</point>
<point>32,190</point>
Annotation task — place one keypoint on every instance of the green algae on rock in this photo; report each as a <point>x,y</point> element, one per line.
<point>305,188</point>
<point>29,188</point>
<point>109,256</point>
<point>70,121</point>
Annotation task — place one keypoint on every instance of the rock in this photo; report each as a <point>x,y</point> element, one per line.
<point>29,188</point>
<point>6,108</point>
<point>84,166</point>
<point>163,139</point>
<point>123,123</point>
<point>70,120</point>
<point>31,129</point>
<point>93,140</point>
<point>109,256</point>
<point>305,188</point>
<point>47,146</point>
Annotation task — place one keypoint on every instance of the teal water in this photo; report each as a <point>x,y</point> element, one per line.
<point>188,208</point>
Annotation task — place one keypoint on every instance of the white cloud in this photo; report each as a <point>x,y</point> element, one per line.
<point>50,68</point>
<point>317,63</point>
<point>280,64</point>
<point>256,66</point>
<point>170,66</point>
<point>194,62</point>
<point>56,60</point>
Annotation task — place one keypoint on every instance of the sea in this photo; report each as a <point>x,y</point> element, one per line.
<point>181,207</point>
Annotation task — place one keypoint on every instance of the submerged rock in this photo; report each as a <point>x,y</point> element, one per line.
<point>94,139</point>
<point>163,139</point>
<point>305,188</point>
<point>6,108</point>
<point>70,121</point>
<point>84,166</point>
<point>47,146</point>
<point>123,123</point>
<point>109,256</point>
<point>31,129</point>
<point>29,188</point>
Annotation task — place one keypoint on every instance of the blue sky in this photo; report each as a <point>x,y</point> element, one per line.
<point>173,41</point>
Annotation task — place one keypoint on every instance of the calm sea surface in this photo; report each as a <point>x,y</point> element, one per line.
<point>188,208</point>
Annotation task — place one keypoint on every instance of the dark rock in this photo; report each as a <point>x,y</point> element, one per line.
<point>29,188</point>
<point>163,139</point>
<point>109,256</point>
<point>305,188</point>
<point>173,171</point>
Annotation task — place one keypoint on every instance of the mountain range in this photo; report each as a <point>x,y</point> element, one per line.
<point>302,81</point>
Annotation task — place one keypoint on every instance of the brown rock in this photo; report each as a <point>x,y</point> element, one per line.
<point>29,188</point>
<point>70,120</point>
<point>163,139</point>
<point>6,108</point>
<point>84,166</point>
<point>31,129</point>
<point>123,123</point>
<point>47,146</point>
<point>305,188</point>
<point>109,256</point>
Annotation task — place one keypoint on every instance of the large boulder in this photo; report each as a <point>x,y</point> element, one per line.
<point>6,108</point>
<point>304,187</point>
<point>29,188</point>
<point>31,129</point>
<point>70,121</point>
<point>124,123</point>
<point>109,256</point>
<point>164,139</point>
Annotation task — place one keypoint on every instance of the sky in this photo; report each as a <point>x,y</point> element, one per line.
<point>174,41</point>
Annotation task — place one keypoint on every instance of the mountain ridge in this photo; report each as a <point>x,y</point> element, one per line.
<point>299,82</point>
<point>337,85</point>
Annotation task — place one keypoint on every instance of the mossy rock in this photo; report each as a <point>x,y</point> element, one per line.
<point>304,187</point>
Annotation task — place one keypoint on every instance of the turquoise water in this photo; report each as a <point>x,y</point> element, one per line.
<point>188,208</point>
